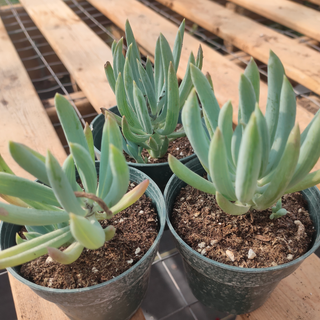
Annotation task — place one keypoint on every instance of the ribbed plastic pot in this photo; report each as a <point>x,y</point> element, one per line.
<point>227,288</point>
<point>116,299</point>
<point>160,173</point>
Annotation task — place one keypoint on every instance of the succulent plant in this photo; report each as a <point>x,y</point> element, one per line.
<point>57,212</point>
<point>149,99</point>
<point>264,157</point>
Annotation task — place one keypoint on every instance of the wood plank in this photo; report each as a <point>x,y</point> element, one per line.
<point>253,38</point>
<point>30,306</point>
<point>296,297</point>
<point>23,117</point>
<point>79,99</point>
<point>288,13</point>
<point>82,52</point>
<point>314,1</point>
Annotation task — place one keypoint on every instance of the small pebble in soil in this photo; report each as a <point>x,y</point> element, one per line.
<point>251,254</point>
<point>290,256</point>
<point>204,252</point>
<point>137,251</point>
<point>201,244</point>
<point>230,255</point>
<point>130,261</point>
<point>213,242</point>
<point>95,270</point>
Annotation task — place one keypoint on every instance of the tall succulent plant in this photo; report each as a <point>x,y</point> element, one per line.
<point>58,212</point>
<point>149,99</point>
<point>265,157</point>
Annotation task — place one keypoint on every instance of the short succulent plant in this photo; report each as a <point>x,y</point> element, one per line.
<point>265,157</point>
<point>58,212</point>
<point>149,99</point>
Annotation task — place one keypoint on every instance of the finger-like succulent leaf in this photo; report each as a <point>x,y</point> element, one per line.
<point>208,100</point>
<point>176,51</point>
<point>225,125</point>
<point>230,207</point>
<point>110,134</point>
<point>190,177</point>
<point>218,166</point>
<point>25,189</point>
<point>286,122</point>
<point>28,216</point>
<point>235,143</point>
<point>249,162</point>
<point>36,251</point>
<point>123,106</point>
<point>247,99</point>
<point>131,136</point>
<point>110,75</point>
<point>158,70</point>
<point>31,235</point>
<point>148,87</point>
<point>69,255</point>
<point>186,83</point>
<point>4,167</point>
<point>283,172</point>
<point>149,70</point>
<point>130,197</point>
<point>28,161</point>
<point>252,73</point>
<point>131,40</point>
<point>61,186</point>
<point>309,153</point>
<point>197,136</point>
<point>120,173</point>
<point>166,55</point>
<point>199,59</point>
<point>26,246</point>
<point>87,231</point>
<point>265,140</point>
<point>13,200</point>
<point>141,109</point>
<point>118,59</point>
<point>275,79</point>
<point>109,232</point>
<point>173,103</point>
<point>70,172</point>
<point>89,138</point>
<point>308,181</point>
<point>86,167</point>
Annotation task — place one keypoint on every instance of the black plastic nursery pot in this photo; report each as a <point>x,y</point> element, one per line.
<point>116,299</point>
<point>160,173</point>
<point>228,288</point>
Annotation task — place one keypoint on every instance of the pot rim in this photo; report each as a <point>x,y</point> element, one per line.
<point>120,276</point>
<point>235,268</point>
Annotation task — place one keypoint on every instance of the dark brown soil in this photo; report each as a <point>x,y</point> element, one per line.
<point>179,148</point>
<point>228,239</point>
<point>137,228</point>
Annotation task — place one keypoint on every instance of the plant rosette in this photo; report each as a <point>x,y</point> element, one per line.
<point>59,213</point>
<point>229,288</point>
<point>118,298</point>
<point>160,173</point>
<point>249,168</point>
<point>149,99</point>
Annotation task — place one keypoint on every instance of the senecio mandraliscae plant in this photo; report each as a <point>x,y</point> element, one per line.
<point>149,99</point>
<point>58,212</point>
<point>265,157</point>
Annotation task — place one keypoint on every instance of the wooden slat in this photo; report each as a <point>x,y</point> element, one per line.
<point>29,306</point>
<point>253,38</point>
<point>288,13</point>
<point>82,52</point>
<point>314,1</point>
<point>296,297</point>
<point>23,118</point>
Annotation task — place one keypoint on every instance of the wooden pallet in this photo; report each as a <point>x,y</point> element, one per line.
<point>83,54</point>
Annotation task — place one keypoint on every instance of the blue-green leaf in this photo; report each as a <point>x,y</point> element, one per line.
<point>61,186</point>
